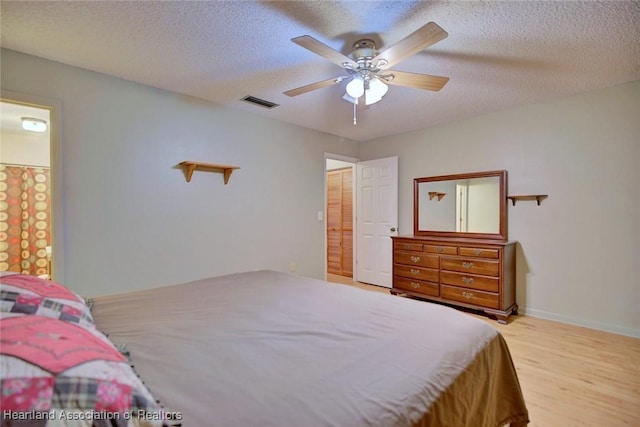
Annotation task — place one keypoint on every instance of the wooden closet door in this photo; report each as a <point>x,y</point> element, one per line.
<point>340,222</point>
<point>334,208</point>
<point>347,223</point>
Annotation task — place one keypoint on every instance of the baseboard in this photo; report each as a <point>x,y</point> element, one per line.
<point>606,327</point>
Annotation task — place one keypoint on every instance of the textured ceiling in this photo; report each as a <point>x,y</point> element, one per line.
<point>498,54</point>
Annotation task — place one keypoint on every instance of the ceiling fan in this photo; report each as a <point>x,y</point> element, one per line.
<point>368,69</point>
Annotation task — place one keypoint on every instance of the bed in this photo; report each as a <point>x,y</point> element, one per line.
<point>266,348</point>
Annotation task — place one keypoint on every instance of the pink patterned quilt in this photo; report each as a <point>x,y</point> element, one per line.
<point>58,369</point>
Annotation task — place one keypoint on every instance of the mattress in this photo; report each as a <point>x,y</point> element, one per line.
<point>276,349</point>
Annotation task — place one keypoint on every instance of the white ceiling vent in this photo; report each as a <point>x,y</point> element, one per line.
<point>261,102</point>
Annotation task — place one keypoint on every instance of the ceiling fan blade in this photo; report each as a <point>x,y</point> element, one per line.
<point>313,86</point>
<point>413,43</point>
<point>325,51</point>
<point>418,81</point>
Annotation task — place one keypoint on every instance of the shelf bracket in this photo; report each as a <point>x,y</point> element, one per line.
<point>189,171</point>
<point>433,194</point>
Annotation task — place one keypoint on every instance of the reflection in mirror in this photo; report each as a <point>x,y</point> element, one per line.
<point>459,205</point>
<point>466,205</point>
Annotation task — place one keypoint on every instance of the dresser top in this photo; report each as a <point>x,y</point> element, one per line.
<point>457,240</point>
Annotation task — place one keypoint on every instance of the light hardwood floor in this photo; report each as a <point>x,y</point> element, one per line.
<point>570,375</point>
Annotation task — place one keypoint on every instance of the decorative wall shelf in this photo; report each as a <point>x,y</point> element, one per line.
<point>210,167</point>
<point>537,197</point>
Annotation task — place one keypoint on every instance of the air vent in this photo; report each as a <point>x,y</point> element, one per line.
<point>260,102</point>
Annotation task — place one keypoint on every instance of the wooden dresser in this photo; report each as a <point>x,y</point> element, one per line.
<point>472,273</point>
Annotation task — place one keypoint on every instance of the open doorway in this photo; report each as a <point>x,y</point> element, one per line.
<point>374,218</point>
<point>25,189</point>
<point>340,216</point>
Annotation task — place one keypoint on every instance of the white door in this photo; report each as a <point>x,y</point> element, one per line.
<point>376,219</point>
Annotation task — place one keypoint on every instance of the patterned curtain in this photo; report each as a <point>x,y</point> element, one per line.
<point>25,216</point>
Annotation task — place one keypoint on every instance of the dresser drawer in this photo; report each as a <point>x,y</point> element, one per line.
<point>419,259</point>
<point>471,265</point>
<point>441,249</point>
<point>405,246</point>
<point>479,252</point>
<point>426,288</point>
<point>416,273</point>
<point>491,284</point>
<point>485,299</point>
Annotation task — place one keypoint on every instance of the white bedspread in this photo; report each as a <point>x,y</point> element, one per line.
<point>273,349</point>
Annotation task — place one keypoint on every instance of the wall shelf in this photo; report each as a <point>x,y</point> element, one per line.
<point>537,197</point>
<point>433,194</point>
<point>190,166</point>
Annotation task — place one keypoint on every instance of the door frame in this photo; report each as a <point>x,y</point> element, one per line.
<point>55,168</point>
<point>353,161</point>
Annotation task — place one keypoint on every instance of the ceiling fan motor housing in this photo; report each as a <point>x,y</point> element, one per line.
<point>364,49</point>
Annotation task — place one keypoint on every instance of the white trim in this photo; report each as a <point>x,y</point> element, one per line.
<point>57,206</point>
<point>341,157</point>
<point>606,327</point>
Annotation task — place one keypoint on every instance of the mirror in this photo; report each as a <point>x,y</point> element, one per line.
<point>465,205</point>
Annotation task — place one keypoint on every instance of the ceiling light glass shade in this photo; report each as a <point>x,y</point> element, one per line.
<point>377,88</point>
<point>350,99</point>
<point>355,88</point>
<point>34,125</point>
<point>370,99</point>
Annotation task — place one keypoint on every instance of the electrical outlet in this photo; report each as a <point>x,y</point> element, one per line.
<point>292,266</point>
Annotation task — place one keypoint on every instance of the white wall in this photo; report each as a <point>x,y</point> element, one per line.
<point>28,150</point>
<point>21,147</point>
<point>131,221</point>
<point>579,253</point>
<point>483,195</point>
<point>434,213</point>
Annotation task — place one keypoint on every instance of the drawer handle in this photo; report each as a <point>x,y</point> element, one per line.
<point>415,259</point>
<point>467,264</point>
<point>439,249</point>
<point>415,285</point>
<point>467,280</point>
<point>415,272</point>
<point>477,252</point>
<point>467,295</point>
<point>407,246</point>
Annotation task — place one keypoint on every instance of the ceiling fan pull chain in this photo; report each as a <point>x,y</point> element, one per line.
<point>355,122</point>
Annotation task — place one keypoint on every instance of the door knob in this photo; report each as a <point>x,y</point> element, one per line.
<point>393,229</point>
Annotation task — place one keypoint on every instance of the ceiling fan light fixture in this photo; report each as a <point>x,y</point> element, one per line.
<point>382,63</point>
<point>32,124</point>
<point>349,99</point>
<point>355,88</point>
<point>377,88</point>
<point>371,99</point>
<point>369,70</point>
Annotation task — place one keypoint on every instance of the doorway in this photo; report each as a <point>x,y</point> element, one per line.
<point>339,215</point>
<point>339,219</point>
<point>374,218</point>
<point>26,227</point>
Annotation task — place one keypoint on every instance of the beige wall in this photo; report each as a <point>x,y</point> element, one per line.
<point>131,220</point>
<point>579,253</point>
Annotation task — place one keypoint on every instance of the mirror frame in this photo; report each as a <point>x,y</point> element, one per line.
<point>502,233</point>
